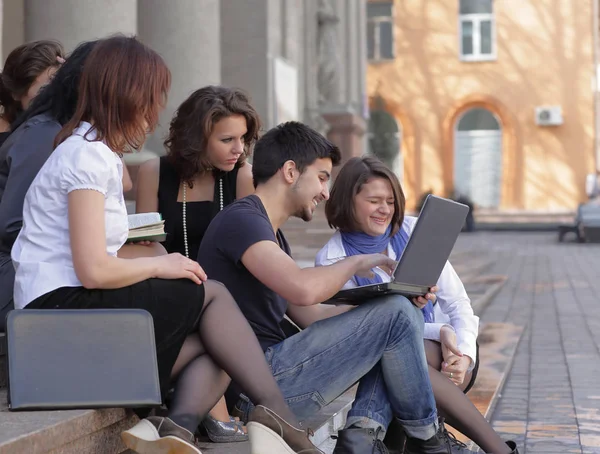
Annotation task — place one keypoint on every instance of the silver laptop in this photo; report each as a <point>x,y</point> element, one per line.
<point>428,248</point>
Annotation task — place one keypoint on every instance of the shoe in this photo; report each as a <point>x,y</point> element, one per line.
<point>224,432</point>
<point>155,435</point>
<point>270,434</point>
<point>443,442</point>
<point>512,445</point>
<point>356,440</point>
<point>395,438</point>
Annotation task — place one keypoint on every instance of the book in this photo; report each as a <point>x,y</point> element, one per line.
<point>146,227</point>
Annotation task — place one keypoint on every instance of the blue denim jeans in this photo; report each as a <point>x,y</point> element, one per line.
<point>380,344</point>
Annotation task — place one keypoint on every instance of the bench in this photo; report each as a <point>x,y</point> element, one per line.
<point>586,226</point>
<point>564,229</point>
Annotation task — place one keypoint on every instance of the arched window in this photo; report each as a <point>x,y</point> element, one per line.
<point>478,157</point>
<point>478,120</point>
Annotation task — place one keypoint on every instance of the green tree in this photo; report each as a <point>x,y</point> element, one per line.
<point>383,133</point>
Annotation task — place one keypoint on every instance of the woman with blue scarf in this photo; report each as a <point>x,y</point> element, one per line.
<point>366,206</point>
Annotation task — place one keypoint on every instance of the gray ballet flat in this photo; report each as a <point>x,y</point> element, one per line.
<point>224,432</point>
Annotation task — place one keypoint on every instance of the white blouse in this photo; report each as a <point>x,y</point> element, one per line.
<point>453,306</point>
<point>42,252</point>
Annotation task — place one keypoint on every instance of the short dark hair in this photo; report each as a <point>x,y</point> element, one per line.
<point>193,123</point>
<point>291,141</point>
<point>124,85</point>
<point>23,65</point>
<point>339,209</point>
<point>59,97</point>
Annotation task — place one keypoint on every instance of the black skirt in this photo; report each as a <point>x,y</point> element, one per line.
<point>175,306</point>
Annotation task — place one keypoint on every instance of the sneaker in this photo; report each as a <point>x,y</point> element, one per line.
<point>443,442</point>
<point>270,434</point>
<point>157,435</point>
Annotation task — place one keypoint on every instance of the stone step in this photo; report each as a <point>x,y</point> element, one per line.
<point>62,432</point>
<point>97,431</point>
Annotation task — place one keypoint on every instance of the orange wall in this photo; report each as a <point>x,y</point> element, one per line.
<point>544,57</point>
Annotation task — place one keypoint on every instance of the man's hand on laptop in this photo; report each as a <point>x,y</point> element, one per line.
<point>369,261</point>
<point>421,301</point>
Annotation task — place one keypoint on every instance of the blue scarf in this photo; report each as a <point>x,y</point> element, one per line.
<point>360,243</point>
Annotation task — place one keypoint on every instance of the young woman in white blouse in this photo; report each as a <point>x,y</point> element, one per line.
<point>75,221</point>
<point>366,206</point>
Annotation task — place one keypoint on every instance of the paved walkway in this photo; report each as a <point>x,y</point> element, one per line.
<point>551,401</point>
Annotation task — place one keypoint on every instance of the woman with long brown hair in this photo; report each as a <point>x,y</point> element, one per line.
<point>74,222</point>
<point>204,170</point>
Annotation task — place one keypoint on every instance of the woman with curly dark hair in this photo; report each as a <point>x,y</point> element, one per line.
<point>205,169</point>
<point>27,69</point>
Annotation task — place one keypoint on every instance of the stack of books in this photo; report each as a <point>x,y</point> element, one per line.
<point>146,227</point>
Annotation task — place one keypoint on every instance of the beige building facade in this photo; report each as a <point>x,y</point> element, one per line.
<point>494,99</point>
<point>298,59</point>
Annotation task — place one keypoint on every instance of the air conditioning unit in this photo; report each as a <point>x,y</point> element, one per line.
<point>548,116</point>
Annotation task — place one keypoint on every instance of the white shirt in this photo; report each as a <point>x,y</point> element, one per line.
<point>42,252</point>
<point>453,305</point>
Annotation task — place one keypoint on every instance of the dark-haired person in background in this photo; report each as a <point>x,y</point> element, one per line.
<point>205,169</point>
<point>27,69</point>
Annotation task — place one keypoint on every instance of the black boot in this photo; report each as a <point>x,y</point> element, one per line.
<point>359,441</point>
<point>395,438</point>
<point>512,445</point>
<point>443,442</point>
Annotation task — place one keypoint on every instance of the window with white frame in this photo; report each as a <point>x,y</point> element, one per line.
<point>380,31</point>
<point>477,30</point>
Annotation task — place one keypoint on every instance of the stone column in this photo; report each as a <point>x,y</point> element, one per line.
<point>74,21</point>
<point>187,35</point>
<point>340,81</point>
<point>346,130</point>
<point>250,37</point>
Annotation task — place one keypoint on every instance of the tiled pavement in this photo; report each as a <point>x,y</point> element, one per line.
<point>551,400</point>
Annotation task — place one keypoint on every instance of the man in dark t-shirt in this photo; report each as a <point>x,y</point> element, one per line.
<point>379,342</point>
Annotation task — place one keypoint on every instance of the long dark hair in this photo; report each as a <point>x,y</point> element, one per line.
<point>124,85</point>
<point>22,67</point>
<point>59,97</point>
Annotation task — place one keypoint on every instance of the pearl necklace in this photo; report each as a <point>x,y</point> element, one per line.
<point>185,238</point>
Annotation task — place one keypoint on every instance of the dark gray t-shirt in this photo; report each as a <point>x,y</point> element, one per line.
<point>21,157</point>
<point>230,234</point>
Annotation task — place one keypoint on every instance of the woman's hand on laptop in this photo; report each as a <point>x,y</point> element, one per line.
<point>421,301</point>
<point>367,262</point>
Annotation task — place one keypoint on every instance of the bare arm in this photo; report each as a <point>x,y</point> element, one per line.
<point>96,269</point>
<point>244,185</point>
<point>146,200</point>
<point>304,286</point>
<point>304,316</point>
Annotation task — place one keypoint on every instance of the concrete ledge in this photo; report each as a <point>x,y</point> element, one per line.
<point>72,431</point>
